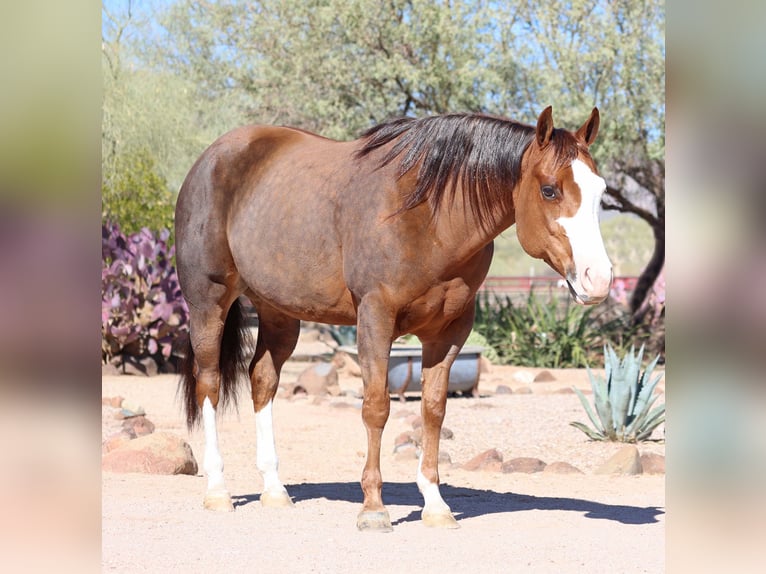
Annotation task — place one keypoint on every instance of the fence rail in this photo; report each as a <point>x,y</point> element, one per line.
<point>506,285</point>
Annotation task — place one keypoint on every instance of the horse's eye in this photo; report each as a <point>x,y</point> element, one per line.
<point>549,192</point>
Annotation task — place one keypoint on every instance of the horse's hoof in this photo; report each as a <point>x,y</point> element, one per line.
<point>220,501</point>
<point>374,521</point>
<point>276,499</point>
<point>439,520</point>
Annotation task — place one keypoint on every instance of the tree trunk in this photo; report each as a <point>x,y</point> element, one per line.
<point>648,275</point>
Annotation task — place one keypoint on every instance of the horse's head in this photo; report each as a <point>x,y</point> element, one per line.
<point>557,203</point>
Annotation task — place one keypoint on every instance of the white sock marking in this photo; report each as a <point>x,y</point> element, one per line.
<point>213,461</point>
<point>433,501</point>
<point>266,451</point>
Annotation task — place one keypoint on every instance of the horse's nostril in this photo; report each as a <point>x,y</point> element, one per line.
<point>587,279</point>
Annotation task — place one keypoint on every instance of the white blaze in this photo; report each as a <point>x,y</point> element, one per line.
<point>593,270</point>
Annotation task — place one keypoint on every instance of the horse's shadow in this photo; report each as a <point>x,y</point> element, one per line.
<point>466,502</point>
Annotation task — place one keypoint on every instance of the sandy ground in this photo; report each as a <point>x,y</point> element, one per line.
<point>528,522</point>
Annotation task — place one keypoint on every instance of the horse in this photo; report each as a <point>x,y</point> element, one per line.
<point>392,232</point>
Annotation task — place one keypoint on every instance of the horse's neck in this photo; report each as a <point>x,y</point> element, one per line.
<point>462,234</point>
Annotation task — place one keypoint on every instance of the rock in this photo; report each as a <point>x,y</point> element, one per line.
<point>653,463</point>
<point>146,366</point>
<point>156,453</point>
<point>446,433</point>
<point>523,391</point>
<point>624,461</point>
<point>116,440</point>
<point>320,379</point>
<point>407,452</point>
<point>561,468</point>
<point>444,458</point>
<point>403,439</point>
<point>564,391</point>
<point>544,377</point>
<point>415,421</point>
<point>488,460</point>
<point>131,409</point>
<point>139,426</point>
<point>345,364</point>
<point>523,377</point>
<point>485,365</point>
<point>110,370</point>
<point>525,464</point>
<point>112,401</point>
<point>503,390</point>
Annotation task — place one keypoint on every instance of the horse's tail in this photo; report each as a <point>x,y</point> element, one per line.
<point>236,341</point>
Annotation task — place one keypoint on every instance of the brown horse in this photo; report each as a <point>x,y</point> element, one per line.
<point>392,232</point>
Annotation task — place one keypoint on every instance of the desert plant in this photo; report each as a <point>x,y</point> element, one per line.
<point>623,399</point>
<point>341,334</point>
<point>542,333</point>
<point>142,310</point>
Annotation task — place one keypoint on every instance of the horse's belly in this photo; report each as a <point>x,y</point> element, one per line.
<point>308,291</point>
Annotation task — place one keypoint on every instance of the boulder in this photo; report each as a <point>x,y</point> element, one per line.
<point>560,467</point>
<point>320,379</point>
<point>525,464</point>
<point>523,377</point>
<point>138,426</point>
<point>488,460</point>
<point>544,376</point>
<point>116,440</point>
<point>346,365</point>
<point>653,463</point>
<point>624,461</point>
<point>156,453</point>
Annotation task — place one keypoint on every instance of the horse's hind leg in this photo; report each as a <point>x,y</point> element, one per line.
<point>206,331</point>
<point>277,337</point>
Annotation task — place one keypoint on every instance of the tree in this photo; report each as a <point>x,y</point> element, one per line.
<point>587,53</point>
<point>153,126</point>
<point>339,66</point>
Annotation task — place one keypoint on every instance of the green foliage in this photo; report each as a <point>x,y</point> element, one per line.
<point>622,400</point>
<point>337,66</point>
<point>477,339</point>
<point>342,334</point>
<point>542,333</point>
<point>136,196</point>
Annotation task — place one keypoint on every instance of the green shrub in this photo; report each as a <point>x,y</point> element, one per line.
<point>543,333</point>
<point>135,196</point>
<point>622,400</point>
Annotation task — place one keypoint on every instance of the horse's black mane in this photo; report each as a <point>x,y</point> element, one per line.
<point>482,153</point>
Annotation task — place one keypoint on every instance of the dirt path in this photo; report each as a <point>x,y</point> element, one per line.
<point>530,522</point>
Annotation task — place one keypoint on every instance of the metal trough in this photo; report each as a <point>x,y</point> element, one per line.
<point>405,364</point>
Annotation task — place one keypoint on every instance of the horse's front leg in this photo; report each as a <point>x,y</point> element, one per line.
<point>375,327</point>
<point>438,357</point>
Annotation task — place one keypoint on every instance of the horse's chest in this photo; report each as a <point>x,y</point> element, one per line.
<point>440,305</point>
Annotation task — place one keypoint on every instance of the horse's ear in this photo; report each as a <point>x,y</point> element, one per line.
<point>544,128</point>
<point>589,130</point>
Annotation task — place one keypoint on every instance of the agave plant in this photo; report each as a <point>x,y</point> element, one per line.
<point>623,399</point>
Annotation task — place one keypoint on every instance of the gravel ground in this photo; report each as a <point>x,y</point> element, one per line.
<point>540,522</point>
